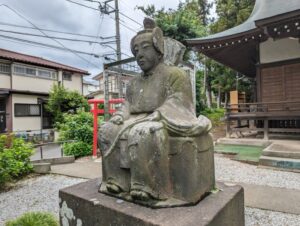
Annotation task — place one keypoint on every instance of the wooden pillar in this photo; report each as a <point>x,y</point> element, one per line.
<point>228,130</point>
<point>266,129</point>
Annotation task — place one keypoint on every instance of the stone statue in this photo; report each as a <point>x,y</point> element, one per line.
<point>155,151</point>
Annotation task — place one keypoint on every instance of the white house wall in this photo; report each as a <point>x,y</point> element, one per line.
<point>75,84</point>
<point>32,84</point>
<point>25,123</point>
<point>279,50</point>
<point>4,81</point>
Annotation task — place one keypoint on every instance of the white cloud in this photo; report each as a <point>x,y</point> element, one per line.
<point>66,16</point>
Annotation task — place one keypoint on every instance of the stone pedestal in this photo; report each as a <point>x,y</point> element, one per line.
<point>83,205</point>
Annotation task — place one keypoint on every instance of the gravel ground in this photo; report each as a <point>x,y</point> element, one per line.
<point>33,194</point>
<point>41,193</point>
<point>257,217</point>
<point>233,171</point>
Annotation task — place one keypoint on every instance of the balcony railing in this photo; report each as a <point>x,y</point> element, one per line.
<point>283,116</point>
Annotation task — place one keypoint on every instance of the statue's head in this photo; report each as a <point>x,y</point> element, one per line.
<point>148,46</point>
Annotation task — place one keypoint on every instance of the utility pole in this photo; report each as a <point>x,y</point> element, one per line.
<point>105,9</point>
<point>118,37</point>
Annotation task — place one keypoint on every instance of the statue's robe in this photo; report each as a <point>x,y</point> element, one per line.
<point>140,159</point>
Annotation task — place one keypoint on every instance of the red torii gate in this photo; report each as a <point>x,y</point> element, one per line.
<point>97,112</point>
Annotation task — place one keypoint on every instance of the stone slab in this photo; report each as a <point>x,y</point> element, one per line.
<point>289,150</point>
<point>284,163</point>
<point>81,204</point>
<point>250,142</point>
<point>89,169</point>
<point>41,167</point>
<point>56,161</point>
<point>270,198</point>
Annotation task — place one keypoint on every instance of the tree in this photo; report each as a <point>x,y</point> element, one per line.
<point>180,24</point>
<point>230,13</point>
<point>62,100</point>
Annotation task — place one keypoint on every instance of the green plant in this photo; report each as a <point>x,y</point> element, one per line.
<point>214,114</point>
<point>34,219</point>
<point>77,149</point>
<point>14,158</point>
<point>78,128</point>
<point>62,101</point>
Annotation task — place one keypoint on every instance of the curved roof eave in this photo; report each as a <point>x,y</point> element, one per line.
<point>262,10</point>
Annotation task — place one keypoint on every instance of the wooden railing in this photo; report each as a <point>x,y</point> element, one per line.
<point>268,117</point>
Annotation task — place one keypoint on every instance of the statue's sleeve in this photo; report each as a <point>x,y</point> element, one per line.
<point>178,112</point>
<point>123,111</point>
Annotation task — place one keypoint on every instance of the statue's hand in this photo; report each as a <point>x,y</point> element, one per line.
<point>155,116</point>
<point>117,120</point>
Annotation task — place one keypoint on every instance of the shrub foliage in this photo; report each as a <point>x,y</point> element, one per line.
<point>14,158</point>
<point>34,219</point>
<point>62,101</point>
<point>78,128</point>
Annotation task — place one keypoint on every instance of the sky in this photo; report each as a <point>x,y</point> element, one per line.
<point>66,16</point>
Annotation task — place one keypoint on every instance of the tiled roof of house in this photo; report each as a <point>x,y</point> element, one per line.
<point>20,57</point>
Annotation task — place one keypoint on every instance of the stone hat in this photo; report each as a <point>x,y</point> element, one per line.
<point>157,36</point>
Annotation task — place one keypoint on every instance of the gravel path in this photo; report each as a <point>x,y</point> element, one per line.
<point>34,194</point>
<point>233,171</point>
<point>257,217</point>
<point>41,194</point>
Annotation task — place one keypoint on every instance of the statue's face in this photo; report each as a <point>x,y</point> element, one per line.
<point>146,55</point>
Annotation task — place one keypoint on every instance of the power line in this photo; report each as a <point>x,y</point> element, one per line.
<point>48,45</point>
<point>55,31</point>
<point>82,5</point>
<point>24,18</point>
<point>98,32</point>
<point>127,6</point>
<point>54,37</point>
<point>99,10</point>
<point>127,17</point>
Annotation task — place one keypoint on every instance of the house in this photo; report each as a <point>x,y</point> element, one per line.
<point>117,83</point>
<point>89,87</point>
<point>25,82</point>
<point>265,47</point>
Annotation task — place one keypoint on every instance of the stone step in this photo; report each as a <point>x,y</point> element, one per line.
<point>250,142</point>
<point>283,163</point>
<point>282,154</point>
<point>41,167</point>
<point>283,151</point>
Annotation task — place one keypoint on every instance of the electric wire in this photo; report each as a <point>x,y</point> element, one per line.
<point>55,31</point>
<point>77,3</point>
<point>61,38</point>
<point>24,18</point>
<point>48,45</point>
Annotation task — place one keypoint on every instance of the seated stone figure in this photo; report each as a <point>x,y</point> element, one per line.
<point>156,152</point>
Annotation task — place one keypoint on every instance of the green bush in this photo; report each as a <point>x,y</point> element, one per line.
<point>77,149</point>
<point>62,100</point>
<point>14,158</point>
<point>34,219</point>
<point>78,128</point>
<point>214,114</point>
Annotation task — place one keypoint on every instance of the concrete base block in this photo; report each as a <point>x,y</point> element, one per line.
<point>56,161</point>
<point>41,167</point>
<point>250,142</point>
<point>284,163</point>
<point>82,204</point>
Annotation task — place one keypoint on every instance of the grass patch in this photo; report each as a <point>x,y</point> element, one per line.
<point>34,219</point>
<point>241,152</point>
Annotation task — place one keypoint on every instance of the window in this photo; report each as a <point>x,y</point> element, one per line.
<point>23,110</point>
<point>48,119</point>
<point>45,74</point>
<point>67,76</point>
<point>32,71</point>
<point>4,68</point>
